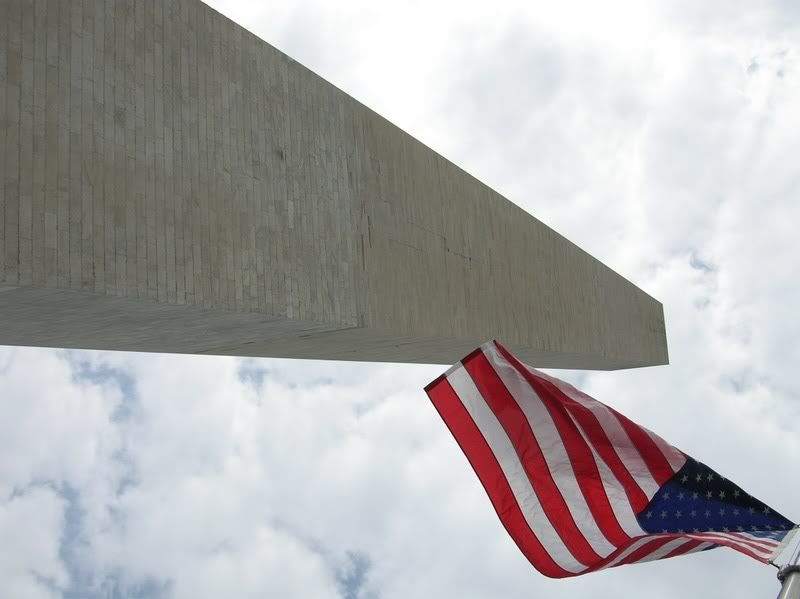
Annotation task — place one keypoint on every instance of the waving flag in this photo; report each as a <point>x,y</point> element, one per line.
<point>578,486</point>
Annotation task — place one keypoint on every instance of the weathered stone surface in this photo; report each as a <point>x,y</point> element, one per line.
<point>172,183</point>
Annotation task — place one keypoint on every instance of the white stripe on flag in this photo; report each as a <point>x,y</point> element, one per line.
<point>784,543</point>
<point>620,441</point>
<point>628,550</point>
<point>620,504</point>
<point>553,450</point>
<point>507,458</point>
<point>664,550</point>
<point>674,457</point>
<point>744,538</point>
<point>766,540</point>
<point>617,497</point>
<point>727,540</point>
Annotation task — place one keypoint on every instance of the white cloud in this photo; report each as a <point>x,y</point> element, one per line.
<point>30,525</point>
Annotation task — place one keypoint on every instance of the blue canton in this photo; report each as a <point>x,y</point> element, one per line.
<point>697,499</point>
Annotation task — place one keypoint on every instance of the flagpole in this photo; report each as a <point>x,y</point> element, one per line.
<point>789,576</point>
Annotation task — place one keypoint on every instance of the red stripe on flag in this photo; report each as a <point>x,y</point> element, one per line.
<point>656,463</point>
<point>485,465</point>
<point>685,548</point>
<point>604,447</point>
<point>522,438</point>
<point>748,536</point>
<point>761,555</point>
<point>652,456</point>
<point>645,550</point>
<point>723,538</point>
<point>613,556</point>
<point>580,455</point>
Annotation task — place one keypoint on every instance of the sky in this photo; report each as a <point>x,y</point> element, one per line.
<point>662,137</point>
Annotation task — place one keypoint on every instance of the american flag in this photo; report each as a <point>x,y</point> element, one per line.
<point>580,487</point>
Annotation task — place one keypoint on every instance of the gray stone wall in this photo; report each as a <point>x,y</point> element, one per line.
<point>170,182</point>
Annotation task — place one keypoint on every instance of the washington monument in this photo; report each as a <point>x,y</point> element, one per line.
<point>169,182</point>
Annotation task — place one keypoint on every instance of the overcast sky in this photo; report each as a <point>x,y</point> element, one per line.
<point>663,137</point>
